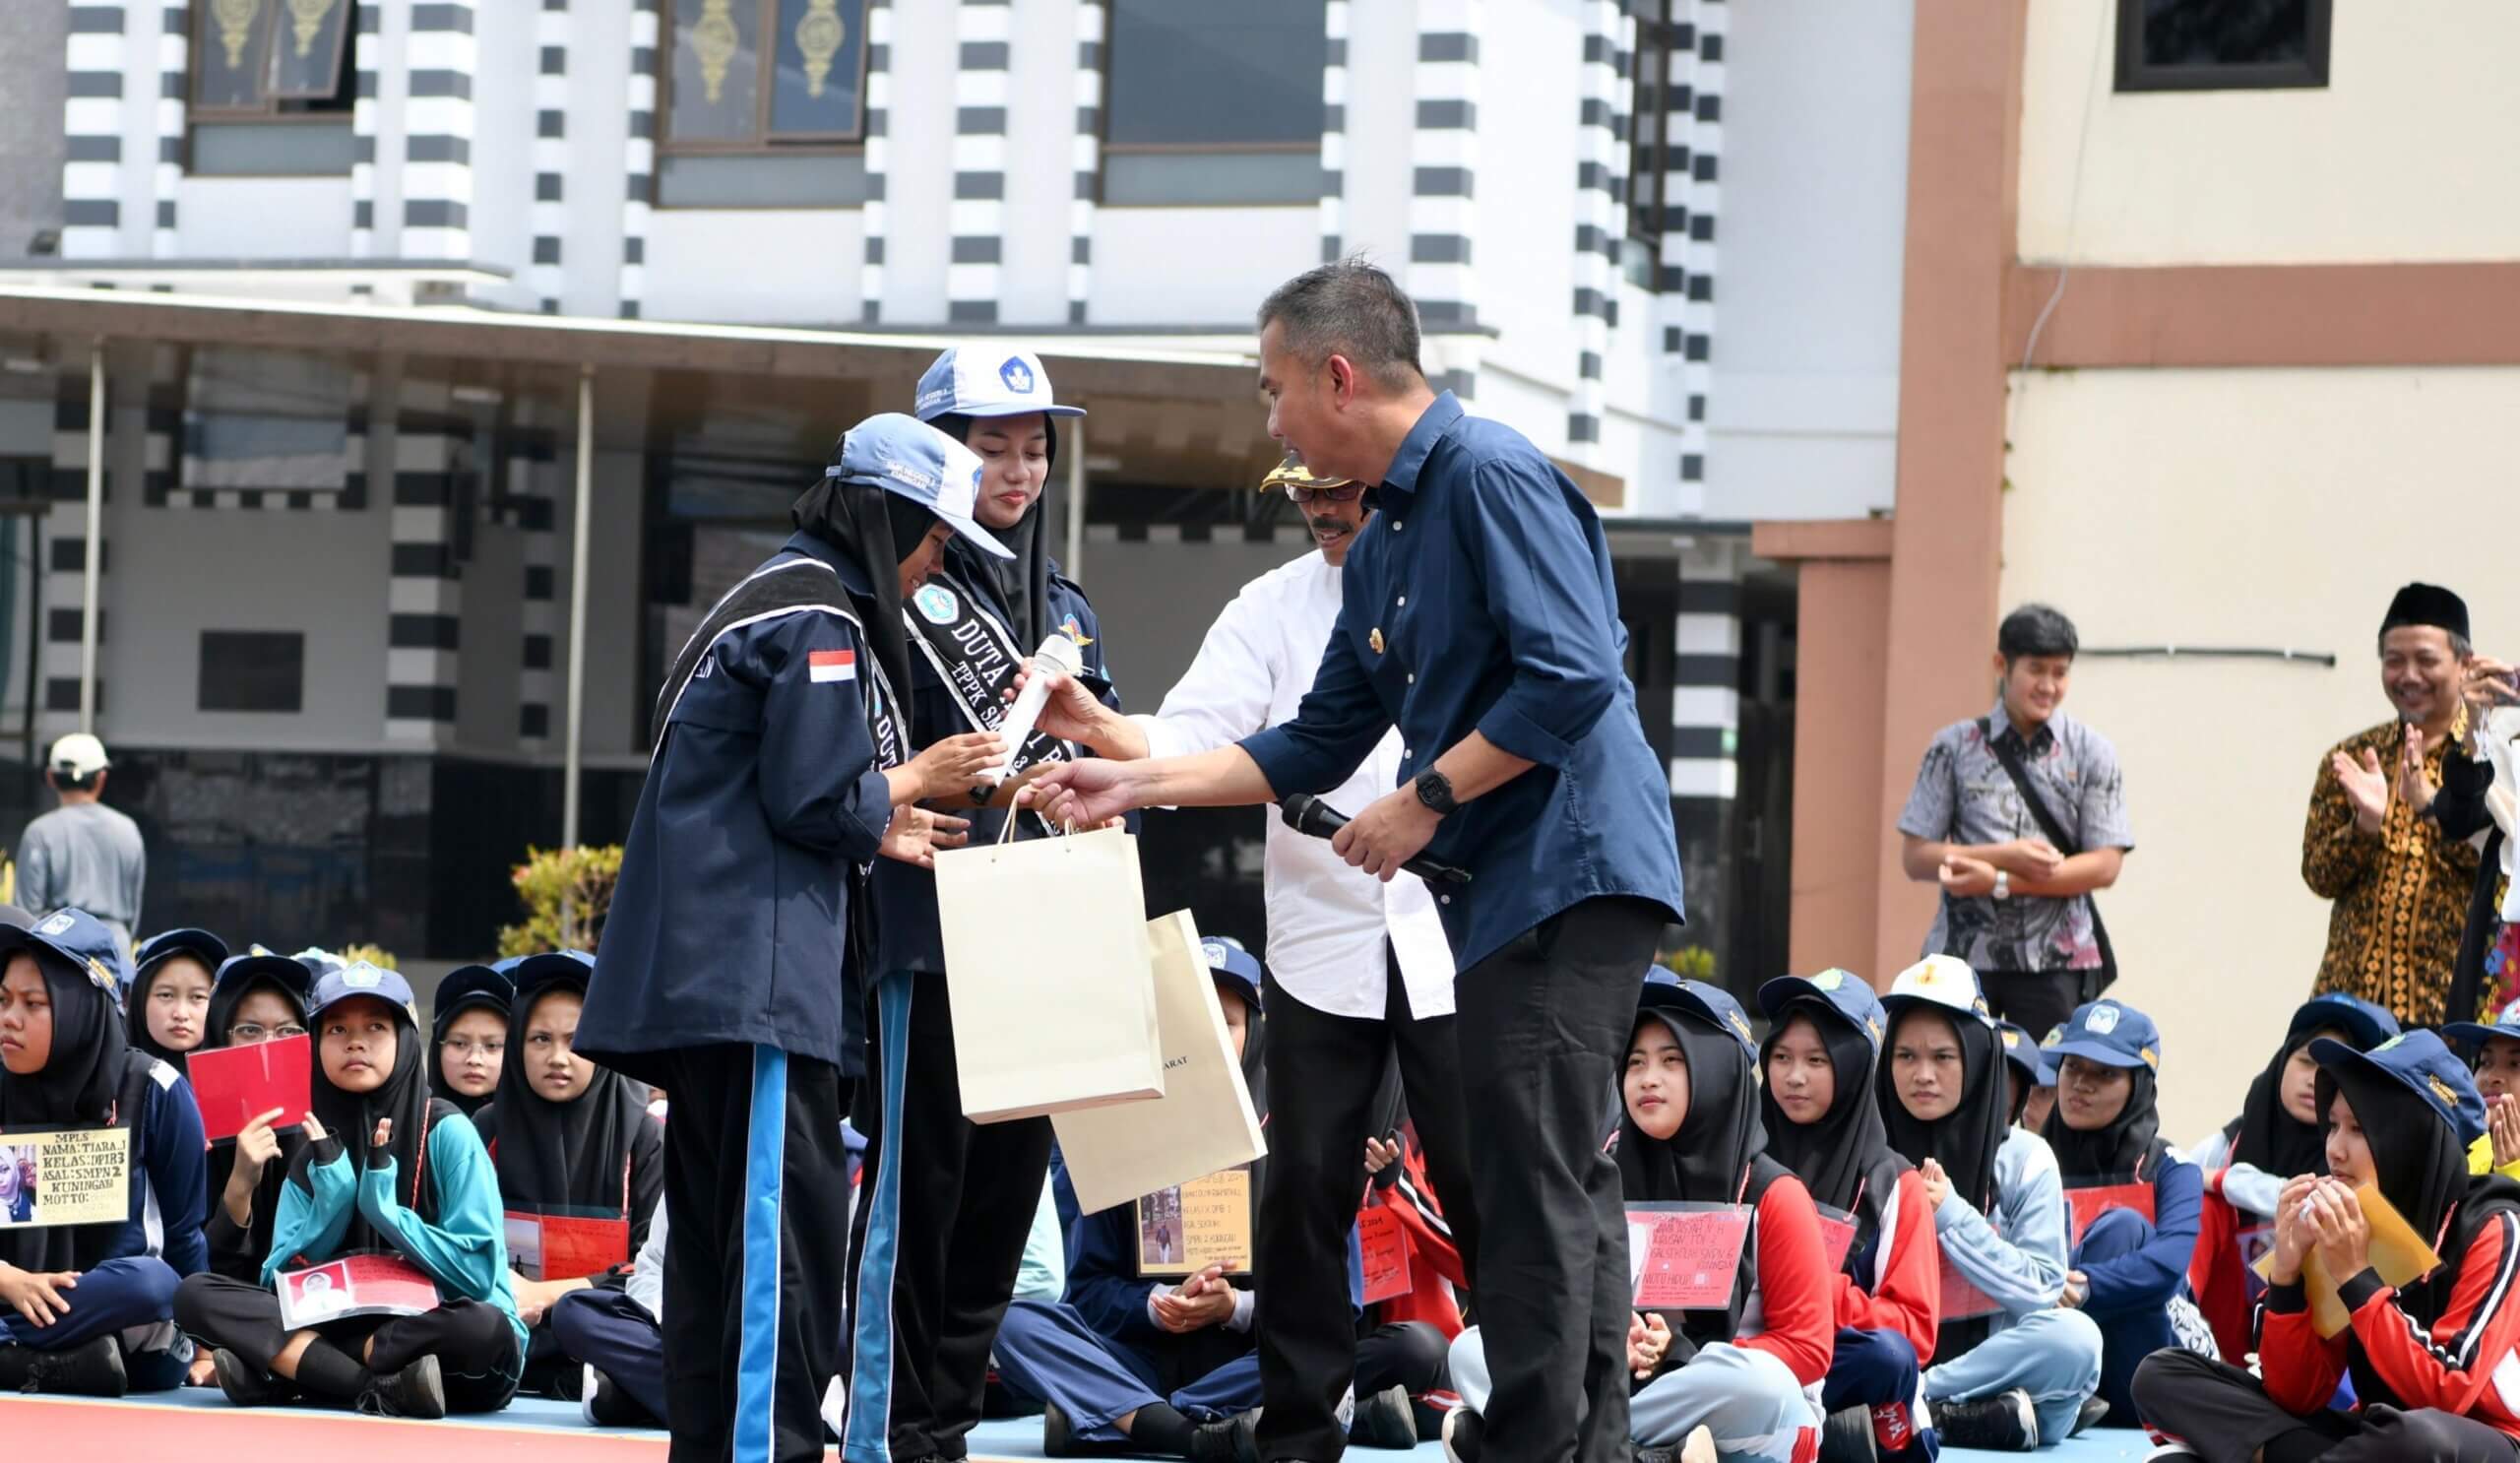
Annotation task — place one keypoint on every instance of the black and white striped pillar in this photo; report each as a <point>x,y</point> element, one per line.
<point>1598,230</point>
<point>1706,700</point>
<point>174,87</point>
<point>534,487</point>
<point>65,540</point>
<point>872,218</point>
<point>438,117</point>
<point>977,216</point>
<point>367,57</point>
<point>1093,25</point>
<point>1444,164</point>
<point>1334,131</point>
<point>425,604</point>
<point>639,157</point>
<point>1705,123</point>
<point>550,150</point>
<point>92,168</point>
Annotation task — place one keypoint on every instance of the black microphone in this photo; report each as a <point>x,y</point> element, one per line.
<point>1309,815</point>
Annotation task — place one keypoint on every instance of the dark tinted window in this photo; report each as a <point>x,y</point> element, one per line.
<point>2221,44</point>
<point>1216,73</point>
<point>252,669</point>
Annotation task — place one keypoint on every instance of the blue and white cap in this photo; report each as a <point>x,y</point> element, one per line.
<point>80,941</point>
<point>982,380</point>
<point>904,455</point>
<point>1233,965</point>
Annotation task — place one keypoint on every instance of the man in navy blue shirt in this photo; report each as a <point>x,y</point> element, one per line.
<point>1477,615</point>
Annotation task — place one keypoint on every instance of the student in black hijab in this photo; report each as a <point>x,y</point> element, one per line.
<point>385,1169</point>
<point>70,1294</point>
<point>469,1034</point>
<point>568,1138</point>
<point>169,1003</point>
<point>259,998</point>
<point>2278,1135</point>
<point>2425,1358</point>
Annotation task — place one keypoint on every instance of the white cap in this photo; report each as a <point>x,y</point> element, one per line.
<point>78,756</point>
<point>985,381</point>
<point>1942,981</point>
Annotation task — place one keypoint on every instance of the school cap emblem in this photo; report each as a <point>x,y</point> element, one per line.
<point>2101,1020</point>
<point>1828,979</point>
<point>97,976</point>
<point>2151,1058</point>
<point>55,926</point>
<point>2012,1039</point>
<point>1215,951</point>
<point>1742,1023</point>
<point>2385,1045</point>
<point>2442,1090</point>
<point>1017,375</point>
<point>363,977</point>
<point>937,603</point>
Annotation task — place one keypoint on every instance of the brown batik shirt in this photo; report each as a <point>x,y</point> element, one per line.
<point>2400,895</point>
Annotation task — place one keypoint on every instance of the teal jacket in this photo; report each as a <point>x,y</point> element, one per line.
<point>466,1252</point>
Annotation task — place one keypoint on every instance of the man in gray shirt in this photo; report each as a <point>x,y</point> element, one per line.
<point>83,854</point>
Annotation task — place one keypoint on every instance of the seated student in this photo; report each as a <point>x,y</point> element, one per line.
<point>2012,1370</point>
<point>258,997</point>
<point>2027,1073</point>
<point>89,1308</point>
<point>2277,1135</point>
<point>1749,1373</point>
<point>2430,1361</point>
<point>167,1009</point>
<point>2041,1099</point>
<point>2130,1262</point>
<point>2497,1052</point>
<point>567,1137</point>
<point>385,1167</point>
<point>1127,1364</point>
<point>471,1040</point>
<point>1822,1121</point>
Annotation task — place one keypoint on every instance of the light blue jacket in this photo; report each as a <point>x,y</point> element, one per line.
<point>2019,1259</point>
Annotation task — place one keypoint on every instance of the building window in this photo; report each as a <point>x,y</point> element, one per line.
<point>1657,142</point>
<point>252,670</point>
<point>1214,102</point>
<point>257,62</point>
<point>265,421</point>
<point>754,75</point>
<point>2221,46</point>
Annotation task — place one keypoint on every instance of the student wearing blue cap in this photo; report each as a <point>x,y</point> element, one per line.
<point>1824,1042</point>
<point>385,1169</point>
<point>735,951</point>
<point>1689,1132</point>
<point>2278,1134</point>
<point>259,998</point>
<point>89,1308</point>
<point>569,1139</point>
<point>2431,1360</point>
<point>1147,1366</point>
<point>2131,1257</point>
<point>167,1007</point>
<point>930,1306</point>
<point>2012,1370</point>
<point>2494,1050</point>
<point>469,1034</point>
<point>2027,1070</point>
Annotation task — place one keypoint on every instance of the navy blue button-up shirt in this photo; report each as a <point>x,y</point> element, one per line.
<point>1478,599</point>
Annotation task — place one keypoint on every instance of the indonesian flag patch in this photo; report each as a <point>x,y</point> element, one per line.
<point>832,665</point>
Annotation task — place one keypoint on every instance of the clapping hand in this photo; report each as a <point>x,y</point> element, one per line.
<point>2344,1234</point>
<point>2413,786</point>
<point>2503,1123</point>
<point>2366,787</point>
<point>2294,1237</point>
<point>1937,1183</point>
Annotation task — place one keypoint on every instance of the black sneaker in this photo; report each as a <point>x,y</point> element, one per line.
<point>1384,1421</point>
<point>1234,1440</point>
<point>415,1391</point>
<point>90,1369</point>
<point>2093,1410</point>
<point>603,1404</point>
<point>1059,1433</point>
<point>246,1384</point>
<point>1463,1434</point>
<point>1846,1436</point>
<point>2004,1422</point>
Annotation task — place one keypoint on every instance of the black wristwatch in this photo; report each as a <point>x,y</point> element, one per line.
<point>1436,791</point>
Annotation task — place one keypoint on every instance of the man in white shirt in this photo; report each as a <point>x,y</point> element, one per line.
<point>1358,969</point>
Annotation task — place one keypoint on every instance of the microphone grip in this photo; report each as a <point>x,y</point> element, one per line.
<point>1309,815</point>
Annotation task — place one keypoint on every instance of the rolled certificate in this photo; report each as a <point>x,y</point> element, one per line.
<point>1057,652</point>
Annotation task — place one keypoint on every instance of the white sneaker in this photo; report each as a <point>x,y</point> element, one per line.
<point>585,1398</point>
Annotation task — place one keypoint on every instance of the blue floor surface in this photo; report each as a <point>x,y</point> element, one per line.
<point>1022,1438</point>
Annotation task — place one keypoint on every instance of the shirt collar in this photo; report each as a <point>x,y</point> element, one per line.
<point>1999,725</point>
<point>1433,424</point>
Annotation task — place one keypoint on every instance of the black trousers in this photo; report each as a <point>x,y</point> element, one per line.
<point>944,1208</point>
<point>756,1180</point>
<point>2034,1000</point>
<point>475,1346</point>
<point>2225,1414</point>
<point>1543,1028</point>
<point>1323,1071</point>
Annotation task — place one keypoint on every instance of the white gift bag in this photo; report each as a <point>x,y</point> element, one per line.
<point>1046,966</point>
<point>1204,1121</point>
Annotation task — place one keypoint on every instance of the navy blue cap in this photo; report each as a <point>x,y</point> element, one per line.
<point>354,980</point>
<point>906,456</point>
<point>488,986</point>
<point>2366,1024</point>
<point>200,944</point>
<point>2023,1053</point>
<point>2110,1032</point>
<point>2505,1026</point>
<point>982,380</point>
<point>1843,992</point>
<point>1232,965</point>
<point>530,972</point>
<point>1667,993</point>
<point>2421,1064</point>
<point>80,940</point>
<point>288,972</point>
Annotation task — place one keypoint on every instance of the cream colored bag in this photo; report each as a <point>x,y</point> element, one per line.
<point>1046,966</point>
<point>1203,1122</point>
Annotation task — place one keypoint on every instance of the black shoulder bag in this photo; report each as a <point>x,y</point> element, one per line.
<point>2094,981</point>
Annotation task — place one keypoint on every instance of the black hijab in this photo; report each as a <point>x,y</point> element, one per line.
<point>352,1118</point>
<point>1845,1159</point>
<point>868,526</point>
<point>473,987</point>
<point>573,1155</point>
<point>2128,1150</point>
<point>76,1087</point>
<point>239,979</point>
<point>1022,583</point>
<point>2266,1135</point>
<point>136,1032</point>
<point>1966,1139</point>
<point>1712,1158</point>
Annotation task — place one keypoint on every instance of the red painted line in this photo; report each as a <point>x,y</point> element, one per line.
<point>64,1430</point>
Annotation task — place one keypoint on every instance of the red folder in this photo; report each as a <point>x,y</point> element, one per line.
<point>234,1085</point>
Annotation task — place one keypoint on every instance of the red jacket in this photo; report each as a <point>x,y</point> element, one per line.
<point>1905,1289</point>
<point>1797,1291</point>
<point>2468,1362</point>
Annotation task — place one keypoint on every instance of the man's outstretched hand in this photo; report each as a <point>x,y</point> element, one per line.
<point>1086,793</point>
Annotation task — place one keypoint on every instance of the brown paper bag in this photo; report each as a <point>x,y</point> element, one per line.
<point>2398,1253</point>
<point>1048,971</point>
<point>1203,1124</point>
